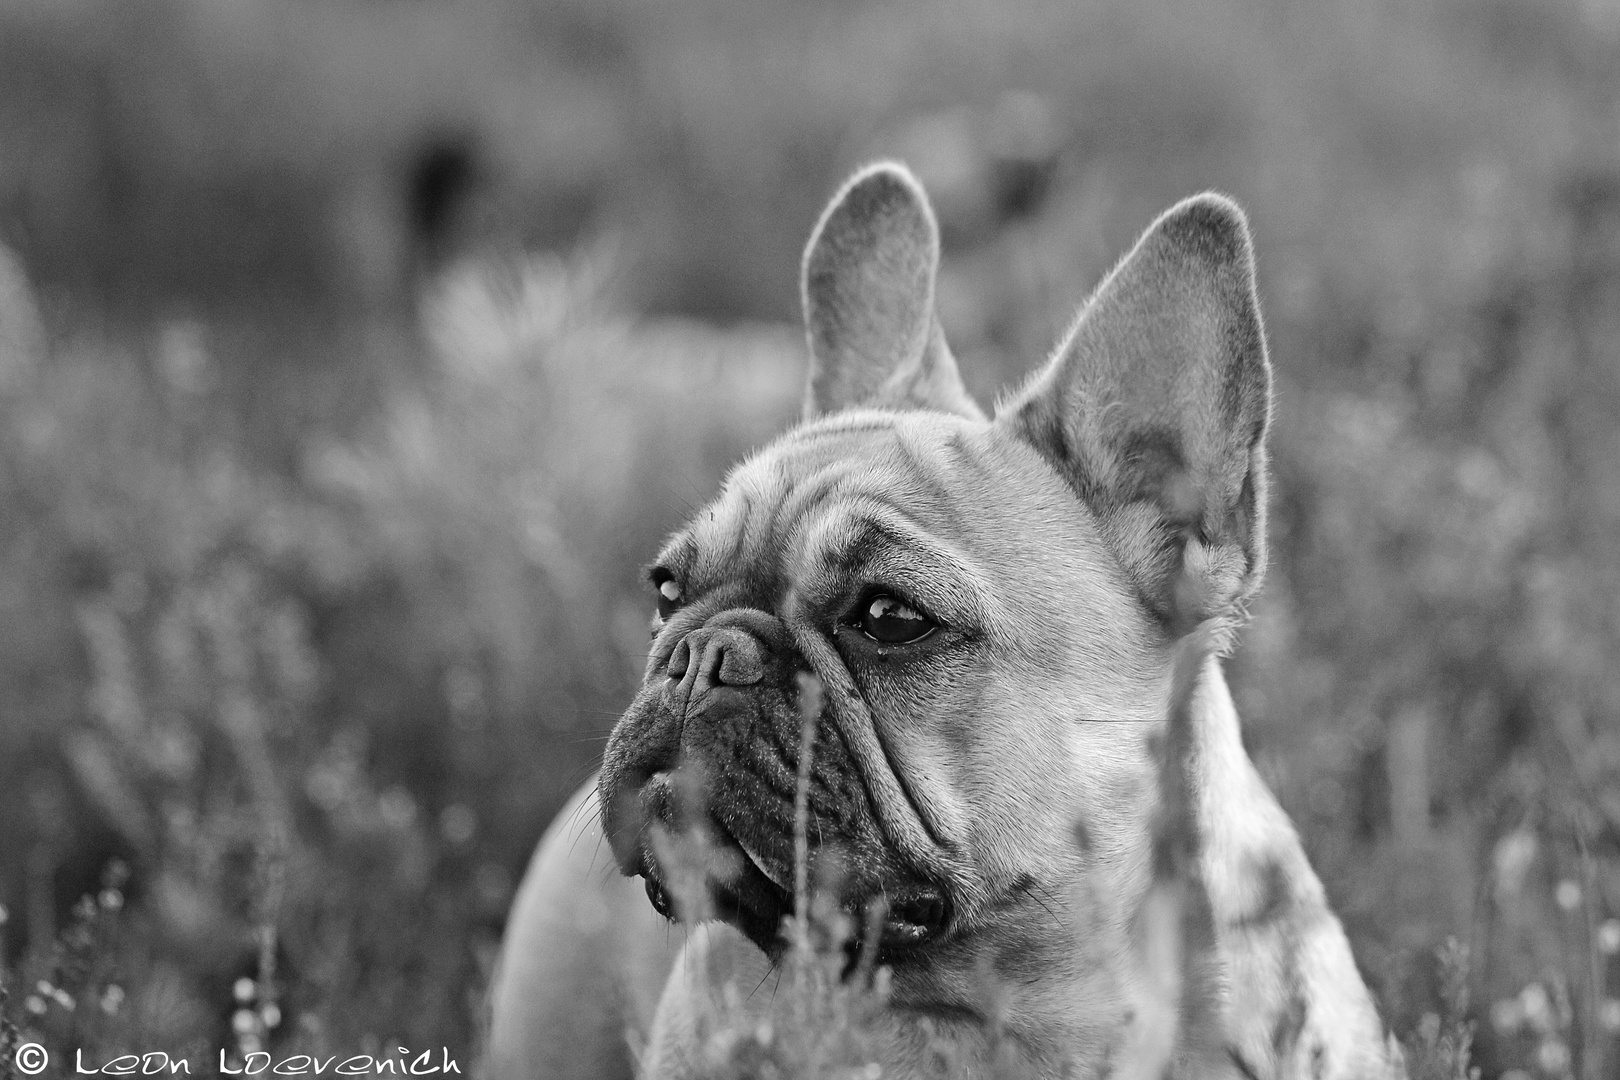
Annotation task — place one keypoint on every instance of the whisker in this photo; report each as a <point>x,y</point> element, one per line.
<point>762,979</point>
<point>597,854</point>
<point>583,826</point>
<point>1041,895</point>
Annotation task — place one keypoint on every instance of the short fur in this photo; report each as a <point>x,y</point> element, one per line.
<point>1108,519</point>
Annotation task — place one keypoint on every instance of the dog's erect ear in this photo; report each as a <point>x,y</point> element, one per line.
<point>869,301</point>
<point>1155,409</point>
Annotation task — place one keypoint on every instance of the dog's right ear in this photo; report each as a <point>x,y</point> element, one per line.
<point>869,274</point>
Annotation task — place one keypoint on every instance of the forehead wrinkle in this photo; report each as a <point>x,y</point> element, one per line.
<point>842,428</point>
<point>743,530</point>
<point>892,483</point>
<point>835,543</point>
<point>816,489</point>
<point>762,511</point>
<point>722,535</point>
<point>926,459</point>
<point>868,516</point>
<point>849,421</point>
<point>844,474</point>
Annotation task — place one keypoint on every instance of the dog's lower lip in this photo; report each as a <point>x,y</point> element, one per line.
<point>659,898</point>
<point>759,864</point>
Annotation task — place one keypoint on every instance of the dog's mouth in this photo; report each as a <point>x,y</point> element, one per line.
<point>707,874</point>
<point>710,873</point>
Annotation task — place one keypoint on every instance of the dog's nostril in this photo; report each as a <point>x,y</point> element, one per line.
<point>678,660</point>
<point>924,911</point>
<point>740,665</point>
<point>914,917</point>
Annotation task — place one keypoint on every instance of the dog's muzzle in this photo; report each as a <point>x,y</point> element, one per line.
<point>698,787</point>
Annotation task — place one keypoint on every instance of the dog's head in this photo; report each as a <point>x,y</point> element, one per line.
<point>988,605</point>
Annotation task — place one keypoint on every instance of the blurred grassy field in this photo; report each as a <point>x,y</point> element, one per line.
<point>354,356</point>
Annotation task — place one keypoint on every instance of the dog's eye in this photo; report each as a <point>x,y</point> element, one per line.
<point>891,621</point>
<point>669,595</point>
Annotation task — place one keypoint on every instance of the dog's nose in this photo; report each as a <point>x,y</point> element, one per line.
<point>736,648</point>
<point>718,656</point>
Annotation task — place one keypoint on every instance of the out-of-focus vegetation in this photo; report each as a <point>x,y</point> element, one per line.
<point>354,355</point>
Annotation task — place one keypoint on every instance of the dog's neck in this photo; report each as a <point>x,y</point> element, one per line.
<point>1238,830</point>
<point>1248,878</point>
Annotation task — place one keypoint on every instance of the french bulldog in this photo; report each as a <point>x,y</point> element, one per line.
<point>993,610</point>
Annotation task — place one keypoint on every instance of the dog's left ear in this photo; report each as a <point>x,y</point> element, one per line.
<point>1155,410</point>
<point>869,273</point>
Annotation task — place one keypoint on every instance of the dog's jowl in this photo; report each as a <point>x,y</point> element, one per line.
<point>1024,766</point>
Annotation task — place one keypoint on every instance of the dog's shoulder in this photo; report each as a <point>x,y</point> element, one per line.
<point>1298,1006</point>
<point>582,963</point>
